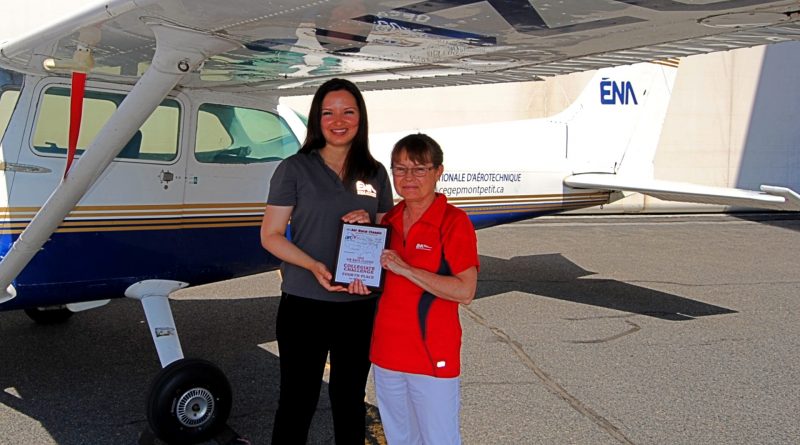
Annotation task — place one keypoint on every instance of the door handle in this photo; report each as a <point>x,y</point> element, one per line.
<point>166,177</point>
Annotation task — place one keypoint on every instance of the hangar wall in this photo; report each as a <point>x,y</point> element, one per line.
<point>733,120</point>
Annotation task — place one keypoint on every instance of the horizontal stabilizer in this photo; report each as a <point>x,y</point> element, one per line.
<point>770,197</point>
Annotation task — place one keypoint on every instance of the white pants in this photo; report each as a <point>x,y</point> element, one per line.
<point>418,409</point>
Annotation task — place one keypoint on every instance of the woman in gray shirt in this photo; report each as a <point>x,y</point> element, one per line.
<point>332,178</point>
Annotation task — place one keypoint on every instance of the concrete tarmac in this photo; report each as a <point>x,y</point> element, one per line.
<point>627,330</point>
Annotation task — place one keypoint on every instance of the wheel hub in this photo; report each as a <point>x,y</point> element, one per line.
<point>194,407</point>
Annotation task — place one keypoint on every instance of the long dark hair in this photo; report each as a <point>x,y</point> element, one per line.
<point>359,163</point>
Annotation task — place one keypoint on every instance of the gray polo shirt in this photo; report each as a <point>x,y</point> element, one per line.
<point>320,199</point>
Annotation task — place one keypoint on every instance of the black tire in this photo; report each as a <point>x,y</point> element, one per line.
<point>47,315</point>
<point>189,402</point>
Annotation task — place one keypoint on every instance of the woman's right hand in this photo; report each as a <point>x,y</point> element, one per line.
<point>324,276</point>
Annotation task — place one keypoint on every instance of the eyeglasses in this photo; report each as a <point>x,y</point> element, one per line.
<point>416,171</point>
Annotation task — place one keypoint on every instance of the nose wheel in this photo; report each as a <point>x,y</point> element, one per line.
<point>189,402</point>
<point>47,316</point>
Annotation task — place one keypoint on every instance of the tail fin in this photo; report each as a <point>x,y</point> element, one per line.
<point>615,124</point>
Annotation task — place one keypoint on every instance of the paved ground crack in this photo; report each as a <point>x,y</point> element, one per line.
<point>549,382</point>
<point>633,328</point>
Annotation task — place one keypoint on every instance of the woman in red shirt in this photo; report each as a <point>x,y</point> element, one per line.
<point>432,265</point>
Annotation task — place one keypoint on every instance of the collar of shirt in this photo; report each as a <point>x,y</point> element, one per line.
<point>434,215</point>
<point>328,171</point>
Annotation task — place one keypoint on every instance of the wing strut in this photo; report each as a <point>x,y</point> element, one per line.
<point>178,51</point>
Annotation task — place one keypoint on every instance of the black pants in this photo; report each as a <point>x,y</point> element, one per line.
<point>306,331</point>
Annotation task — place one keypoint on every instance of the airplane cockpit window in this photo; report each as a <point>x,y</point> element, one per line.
<point>10,84</point>
<point>233,135</point>
<point>155,141</point>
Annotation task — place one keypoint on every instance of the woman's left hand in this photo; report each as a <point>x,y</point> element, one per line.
<point>358,287</point>
<point>357,216</point>
<point>392,261</point>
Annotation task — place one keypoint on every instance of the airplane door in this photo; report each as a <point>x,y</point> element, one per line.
<point>236,148</point>
<point>127,225</point>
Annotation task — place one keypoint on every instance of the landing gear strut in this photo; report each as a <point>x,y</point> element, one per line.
<point>190,399</point>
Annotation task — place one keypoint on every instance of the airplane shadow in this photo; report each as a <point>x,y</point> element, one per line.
<point>553,276</point>
<point>783,220</point>
<point>86,381</point>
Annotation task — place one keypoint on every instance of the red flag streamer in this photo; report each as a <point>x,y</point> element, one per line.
<point>75,113</point>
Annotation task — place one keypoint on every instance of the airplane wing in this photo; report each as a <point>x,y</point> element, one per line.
<point>770,197</point>
<point>293,46</point>
<point>289,47</point>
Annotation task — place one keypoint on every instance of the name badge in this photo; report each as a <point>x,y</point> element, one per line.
<point>366,189</point>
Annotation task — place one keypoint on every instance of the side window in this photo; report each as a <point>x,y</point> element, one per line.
<point>156,140</point>
<point>8,100</point>
<point>235,135</point>
<point>10,84</point>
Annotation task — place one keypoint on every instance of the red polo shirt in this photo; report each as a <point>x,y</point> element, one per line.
<point>403,314</point>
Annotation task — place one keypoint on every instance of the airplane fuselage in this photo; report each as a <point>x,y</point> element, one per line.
<point>183,199</point>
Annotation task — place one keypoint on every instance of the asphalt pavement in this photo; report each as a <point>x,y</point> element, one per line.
<point>626,330</point>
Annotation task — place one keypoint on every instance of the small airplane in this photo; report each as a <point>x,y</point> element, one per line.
<point>138,136</point>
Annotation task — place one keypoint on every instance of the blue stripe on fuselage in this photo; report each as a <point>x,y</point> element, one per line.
<point>86,266</point>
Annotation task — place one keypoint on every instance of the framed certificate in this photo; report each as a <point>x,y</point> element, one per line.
<point>358,254</point>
